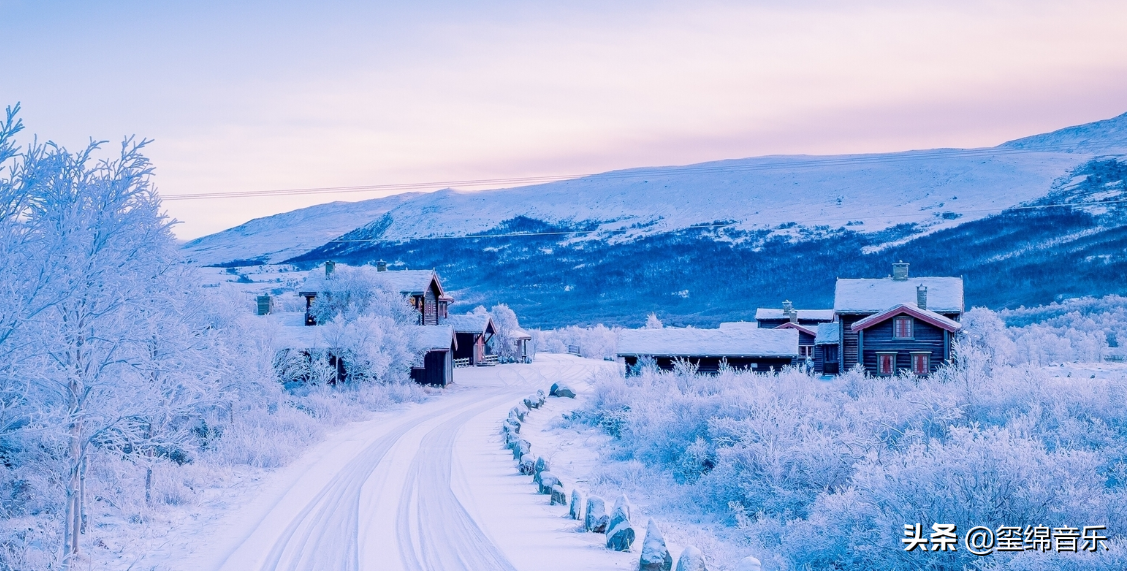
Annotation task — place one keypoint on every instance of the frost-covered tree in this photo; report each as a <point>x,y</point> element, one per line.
<point>109,245</point>
<point>652,322</point>
<point>505,320</point>
<point>354,292</point>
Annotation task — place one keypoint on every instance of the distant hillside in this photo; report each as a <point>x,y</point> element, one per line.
<point>705,243</point>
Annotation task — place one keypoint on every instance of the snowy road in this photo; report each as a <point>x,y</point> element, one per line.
<point>426,488</point>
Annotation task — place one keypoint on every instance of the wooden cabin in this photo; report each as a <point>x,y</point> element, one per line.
<point>826,354</point>
<point>521,339</point>
<point>747,348</point>
<point>769,317</point>
<point>435,364</point>
<point>474,331</point>
<point>921,315</point>
<point>422,288</point>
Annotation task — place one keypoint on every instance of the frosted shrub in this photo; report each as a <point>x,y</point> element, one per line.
<point>824,475</point>
<point>596,342</point>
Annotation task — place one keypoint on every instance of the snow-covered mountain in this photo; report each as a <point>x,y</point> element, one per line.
<point>931,189</point>
<point>687,241</point>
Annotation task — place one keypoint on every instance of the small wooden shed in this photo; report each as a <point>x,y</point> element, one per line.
<point>436,356</point>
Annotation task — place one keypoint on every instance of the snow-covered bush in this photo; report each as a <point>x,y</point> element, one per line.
<point>596,342</point>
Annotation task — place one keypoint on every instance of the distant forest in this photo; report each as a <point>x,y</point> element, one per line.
<point>1029,255</point>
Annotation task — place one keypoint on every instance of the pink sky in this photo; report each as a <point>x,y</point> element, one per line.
<point>260,97</point>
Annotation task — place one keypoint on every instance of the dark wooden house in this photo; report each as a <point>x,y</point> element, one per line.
<point>925,312</point>
<point>739,347</point>
<point>435,364</point>
<point>769,317</point>
<point>826,354</point>
<point>474,331</point>
<point>421,287</point>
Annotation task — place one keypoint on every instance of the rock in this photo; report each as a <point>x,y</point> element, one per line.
<point>563,391</point>
<point>621,536</point>
<point>749,563</point>
<point>518,412</point>
<point>526,466</point>
<point>624,504</point>
<point>576,508</point>
<point>541,466</point>
<point>617,516</point>
<point>531,402</point>
<point>559,497</point>
<point>552,391</point>
<point>540,397</point>
<point>655,555</point>
<point>521,449</point>
<point>691,559</point>
<point>595,516</point>
<point>511,426</point>
<point>547,480</point>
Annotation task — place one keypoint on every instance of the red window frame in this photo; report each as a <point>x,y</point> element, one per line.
<point>888,359</point>
<point>921,363</point>
<point>902,328</point>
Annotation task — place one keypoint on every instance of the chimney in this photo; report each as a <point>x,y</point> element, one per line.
<point>381,266</point>
<point>788,310</point>
<point>329,267</point>
<point>921,296</point>
<point>900,271</point>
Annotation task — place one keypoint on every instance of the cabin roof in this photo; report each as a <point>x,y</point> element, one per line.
<point>518,333</point>
<point>689,342</point>
<point>290,332</point>
<point>944,295</point>
<point>476,323</point>
<point>805,314</point>
<point>406,282</point>
<point>436,337</point>
<point>828,334</point>
<point>907,309</point>
<point>802,328</point>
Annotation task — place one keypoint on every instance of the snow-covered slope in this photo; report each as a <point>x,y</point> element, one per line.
<point>1101,137</point>
<point>931,190</point>
<point>275,238</point>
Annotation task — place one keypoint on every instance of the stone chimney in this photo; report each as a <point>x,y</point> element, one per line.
<point>381,266</point>
<point>921,296</point>
<point>788,310</point>
<point>329,267</point>
<point>900,271</point>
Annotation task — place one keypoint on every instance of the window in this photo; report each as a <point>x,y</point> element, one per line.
<point>902,328</point>
<point>921,363</point>
<point>806,351</point>
<point>886,363</point>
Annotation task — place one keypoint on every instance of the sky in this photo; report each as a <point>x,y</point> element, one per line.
<point>250,96</point>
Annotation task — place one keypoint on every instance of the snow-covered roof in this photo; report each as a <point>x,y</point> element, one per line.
<point>797,327</point>
<point>435,337</point>
<point>689,342</point>
<point>803,314</point>
<point>944,295</point>
<point>908,309</point>
<point>828,334</point>
<point>518,333</point>
<point>407,282</point>
<point>290,331</point>
<point>478,323</point>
